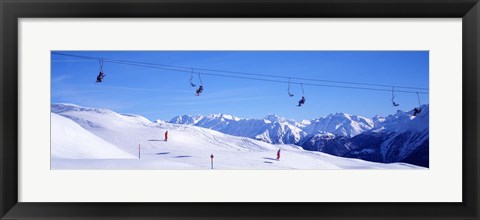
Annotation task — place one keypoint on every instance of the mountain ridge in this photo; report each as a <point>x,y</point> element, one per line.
<point>339,134</point>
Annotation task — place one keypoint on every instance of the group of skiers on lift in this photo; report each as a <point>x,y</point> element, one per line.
<point>199,91</point>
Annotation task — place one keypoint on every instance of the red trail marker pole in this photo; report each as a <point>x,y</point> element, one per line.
<point>211,160</point>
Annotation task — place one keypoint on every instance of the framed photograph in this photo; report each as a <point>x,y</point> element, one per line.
<point>256,110</point>
<point>174,128</point>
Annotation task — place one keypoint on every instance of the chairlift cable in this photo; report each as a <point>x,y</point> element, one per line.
<point>288,84</point>
<point>270,80</point>
<point>242,73</point>
<point>191,79</point>
<point>393,97</point>
<point>101,64</point>
<point>200,78</point>
<point>419,104</point>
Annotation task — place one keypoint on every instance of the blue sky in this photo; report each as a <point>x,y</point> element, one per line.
<point>163,94</point>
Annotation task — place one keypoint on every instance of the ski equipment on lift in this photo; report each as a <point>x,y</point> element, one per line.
<point>290,94</point>
<point>191,78</point>
<point>101,75</point>
<point>302,101</point>
<point>200,88</point>
<point>417,111</point>
<point>393,98</point>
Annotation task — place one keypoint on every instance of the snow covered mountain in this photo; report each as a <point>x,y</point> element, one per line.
<point>327,143</point>
<point>402,137</point>
<point>397,138</point>
<point>89,138</point>
<point>271,129</point>
<point>340,124</point>
<point>278,130</point>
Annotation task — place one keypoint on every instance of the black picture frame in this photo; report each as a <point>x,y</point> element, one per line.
<point>12,10</point>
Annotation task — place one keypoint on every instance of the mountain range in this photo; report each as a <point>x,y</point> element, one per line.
<point>400,137</point>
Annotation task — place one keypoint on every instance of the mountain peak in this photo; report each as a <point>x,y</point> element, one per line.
<point>341,115</point>
<point>183,119</point>
<point>224,116</point>
<point>274,118</point>
<point>305,122</point>
<point>341,124</point>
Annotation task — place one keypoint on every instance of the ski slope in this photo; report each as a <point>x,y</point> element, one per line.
<point>87,138</point>
<point>78,143</point>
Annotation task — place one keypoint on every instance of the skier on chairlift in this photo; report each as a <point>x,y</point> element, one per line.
<point>416,111</point>
<point>302,101</point>
<point>199,90</point>
<point>100,77</point>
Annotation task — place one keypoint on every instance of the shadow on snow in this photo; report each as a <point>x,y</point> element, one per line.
<point>183,156</point>
<point>162,153</point>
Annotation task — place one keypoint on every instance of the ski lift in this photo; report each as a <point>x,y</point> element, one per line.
<point>290,94</point>
<point>417,111</point>
<point>191,79</point>
<point>393,98</point>
<point>101,75</point>
<point>302,101</point>
<point>200,88</point>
